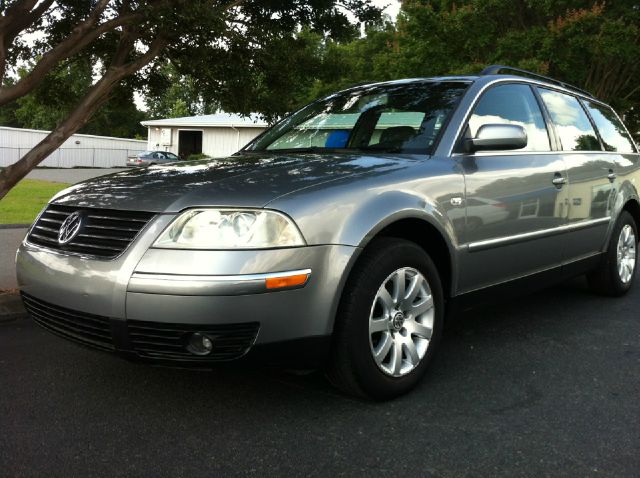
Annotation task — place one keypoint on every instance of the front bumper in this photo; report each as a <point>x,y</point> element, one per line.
<point>183,291</point>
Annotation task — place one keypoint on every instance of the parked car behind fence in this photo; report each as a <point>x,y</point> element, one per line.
<point>150,158</point>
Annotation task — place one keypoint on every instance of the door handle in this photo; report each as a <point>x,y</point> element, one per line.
<point>611,176</point>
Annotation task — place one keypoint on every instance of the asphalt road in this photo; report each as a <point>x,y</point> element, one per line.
<point>545,385</point>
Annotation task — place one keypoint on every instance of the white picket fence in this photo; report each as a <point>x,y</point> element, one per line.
<point>73,157</point>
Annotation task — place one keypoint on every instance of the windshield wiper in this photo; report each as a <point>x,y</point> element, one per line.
<point>310,149</point>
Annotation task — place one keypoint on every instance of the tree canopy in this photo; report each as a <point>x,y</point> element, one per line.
<point>235,50</point>
<point>65,62</point>
<point>594,45</point>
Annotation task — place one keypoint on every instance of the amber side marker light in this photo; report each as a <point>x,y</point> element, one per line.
<point>286,281</point>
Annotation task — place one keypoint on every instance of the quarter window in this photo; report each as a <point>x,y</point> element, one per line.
<point>611,130</point>
<point>512,104</point>
<point>572,123</point>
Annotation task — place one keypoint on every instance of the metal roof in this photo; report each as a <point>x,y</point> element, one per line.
<point>218,120</point>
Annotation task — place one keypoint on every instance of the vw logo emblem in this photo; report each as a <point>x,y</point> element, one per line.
<point>398,321</point>
<point>70,228</point>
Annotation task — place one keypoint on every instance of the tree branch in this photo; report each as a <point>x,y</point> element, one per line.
<point>95,97</point>
<point>18,17</point>
<point>16,21</point>
<point>82,36</point>
<point>125,46</point>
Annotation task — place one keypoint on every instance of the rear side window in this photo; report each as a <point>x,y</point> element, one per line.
<point>572,123</point>
<point>610,128</point>
<point>512,104</point>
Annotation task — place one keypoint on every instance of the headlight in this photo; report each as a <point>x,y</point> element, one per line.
<point>230,229</point>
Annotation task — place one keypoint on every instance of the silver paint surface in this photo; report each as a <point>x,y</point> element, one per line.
<point>499,213</point>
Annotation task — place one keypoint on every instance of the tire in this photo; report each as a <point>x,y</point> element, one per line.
<point>607,278</point>
<point>353,368</point>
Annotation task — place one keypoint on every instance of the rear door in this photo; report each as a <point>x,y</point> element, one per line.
<point>513,208</point>
<point>591,175</point>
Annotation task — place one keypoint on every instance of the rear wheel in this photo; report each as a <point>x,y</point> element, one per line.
<point>616,272</point>
<point>389,322</point>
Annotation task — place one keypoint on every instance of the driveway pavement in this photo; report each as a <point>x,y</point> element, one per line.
<point>70,175</point>
<point>10,239</point>
<point>547,385</point>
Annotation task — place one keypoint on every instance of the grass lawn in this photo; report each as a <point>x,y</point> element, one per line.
<point>26,199</point>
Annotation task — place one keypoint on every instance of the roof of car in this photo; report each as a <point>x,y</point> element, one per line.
<point>492,72</point>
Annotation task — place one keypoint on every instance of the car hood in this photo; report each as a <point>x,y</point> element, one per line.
<point>249,180</point>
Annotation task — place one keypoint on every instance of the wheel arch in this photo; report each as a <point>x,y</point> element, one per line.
<point>426,233</point>
<point>423,232</point>
<point>430,238</point>
<point>632,206</point>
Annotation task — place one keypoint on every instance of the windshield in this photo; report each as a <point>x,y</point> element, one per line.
<point>402,118</point>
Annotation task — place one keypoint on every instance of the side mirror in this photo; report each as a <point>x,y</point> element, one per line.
<point>497,137</point>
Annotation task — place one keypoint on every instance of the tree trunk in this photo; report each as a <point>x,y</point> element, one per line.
<point>95,97</point>
<point>11,175</point>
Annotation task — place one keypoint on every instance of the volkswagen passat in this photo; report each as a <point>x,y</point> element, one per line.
<point>343,233</point>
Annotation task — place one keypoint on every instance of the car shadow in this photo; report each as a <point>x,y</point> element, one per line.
<point>490,343</point>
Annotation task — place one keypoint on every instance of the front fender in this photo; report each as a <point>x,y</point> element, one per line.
<point>628,169</point>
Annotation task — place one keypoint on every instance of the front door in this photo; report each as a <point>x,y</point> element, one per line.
<point>515,200</point>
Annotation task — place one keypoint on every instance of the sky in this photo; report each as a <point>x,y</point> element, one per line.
<point>392,7</point>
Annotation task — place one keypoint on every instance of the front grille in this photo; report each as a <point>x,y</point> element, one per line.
<point>167,341</point>
<point>153,340</point>
<point>89,329</point>
<point>104,233</point>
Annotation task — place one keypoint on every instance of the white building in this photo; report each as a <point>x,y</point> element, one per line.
<point>79,150</point>
<point>217,135</point>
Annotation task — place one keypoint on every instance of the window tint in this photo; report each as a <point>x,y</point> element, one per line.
<point>572,123</point>
<point>512,104</point>
<point>610,128</point>
<point>398,117</point>
<point>330,129</point>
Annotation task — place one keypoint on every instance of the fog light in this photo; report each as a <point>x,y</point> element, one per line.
<point>199,344</point>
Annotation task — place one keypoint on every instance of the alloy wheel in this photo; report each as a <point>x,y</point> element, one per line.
<point>626,253</point>
<point>401,322</point>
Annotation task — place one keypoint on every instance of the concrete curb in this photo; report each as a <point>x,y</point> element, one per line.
<point>11,308</point>
<point>14,226</point>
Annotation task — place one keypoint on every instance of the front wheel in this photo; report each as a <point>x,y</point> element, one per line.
<point>389,322</point>
<point>616,272</point>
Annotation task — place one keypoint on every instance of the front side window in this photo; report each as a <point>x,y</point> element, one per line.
<point>512,104</point>
<point>611,130</point>
<point>572,123</point>
<point>401,118</point>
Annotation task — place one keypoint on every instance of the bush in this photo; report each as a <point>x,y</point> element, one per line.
<point>193,157</point>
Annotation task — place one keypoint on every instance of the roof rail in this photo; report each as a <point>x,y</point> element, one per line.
<point>498,69</point>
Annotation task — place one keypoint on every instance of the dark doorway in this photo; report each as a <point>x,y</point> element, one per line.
<point>189,142</point>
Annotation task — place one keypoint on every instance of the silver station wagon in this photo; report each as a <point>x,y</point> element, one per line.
<point>344,235</point>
